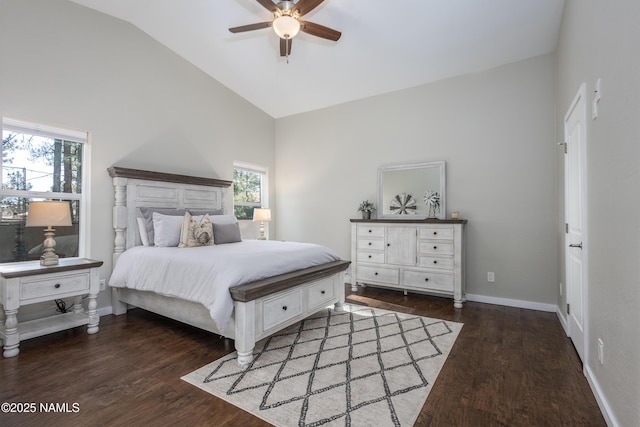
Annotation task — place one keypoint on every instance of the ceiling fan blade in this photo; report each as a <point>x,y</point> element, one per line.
<point>320,31</point>
<point>305,6</point>
<point>285,47</point>
<point>250,27</point>
<point>269,5</point>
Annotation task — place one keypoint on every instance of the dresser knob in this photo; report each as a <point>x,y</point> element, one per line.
<point>376,273</point>
<point>284,307</point>
<point>369,243</point>
<point>435,247</point>
<point>435,262</point>
<point>57,285</point>
<point>426,279</point>
<point>388,244</point>
<point>369,256</point>
<point>322,292</point>
<point>369,231</point>
<point>435,233</point>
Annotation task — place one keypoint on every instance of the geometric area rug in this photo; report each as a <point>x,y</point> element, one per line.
<point>361,367</point>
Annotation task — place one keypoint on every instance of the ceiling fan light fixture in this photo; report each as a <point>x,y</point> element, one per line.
<point>286,27</point>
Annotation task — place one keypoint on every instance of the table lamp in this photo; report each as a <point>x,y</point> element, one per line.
<point>49,214</point>
<point>262,215</point>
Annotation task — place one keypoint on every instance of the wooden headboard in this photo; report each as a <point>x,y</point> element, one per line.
<point>136,188</point>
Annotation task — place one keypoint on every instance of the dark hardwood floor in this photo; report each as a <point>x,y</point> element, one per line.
<point>509,367</point>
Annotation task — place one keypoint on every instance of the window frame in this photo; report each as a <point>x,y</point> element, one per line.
<point>83,197</point>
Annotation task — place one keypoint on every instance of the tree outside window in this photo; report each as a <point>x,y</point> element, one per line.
<point>247,192</point>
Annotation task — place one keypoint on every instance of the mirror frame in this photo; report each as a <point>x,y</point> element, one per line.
<point>410,166</point>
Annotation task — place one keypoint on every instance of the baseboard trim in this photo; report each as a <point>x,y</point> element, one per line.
<point>607,413</point>
<point>513,303</point>
<point>563,321</point>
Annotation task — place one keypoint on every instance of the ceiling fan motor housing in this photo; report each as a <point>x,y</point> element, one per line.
<point>286,7</point>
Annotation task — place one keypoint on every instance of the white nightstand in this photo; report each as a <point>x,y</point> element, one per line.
<point>23,283</point>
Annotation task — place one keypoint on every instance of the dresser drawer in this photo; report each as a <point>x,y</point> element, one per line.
<point>320,293</point>
<point>371,244</point>
<point>39,287</point>
<point>435,262</point>
<point>370,230</point>
<point>281,308</point>
<point>381,274</point>
<point>435,247</point>
<point>374,257</point>
<point>427,280</point>
<point>438,233</point>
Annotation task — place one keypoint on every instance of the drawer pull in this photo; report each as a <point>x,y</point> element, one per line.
<point>435,247</point>
<point>322,292</point>
<point>435,262</point>
<point>369,256</point>
<point>388,244</point>
<point>426,279</point>
<point>369,243</point>
<point>435,233</point>
<point>369,231</point>
<point>284,307</point>
<point>376,273</point>
<point>57,285</point>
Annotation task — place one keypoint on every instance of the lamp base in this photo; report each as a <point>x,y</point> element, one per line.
<point>262,236</point>
<point>49,260</point>
<point>49,257</point>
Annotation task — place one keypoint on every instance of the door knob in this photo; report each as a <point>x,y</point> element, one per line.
<point>576,245</point>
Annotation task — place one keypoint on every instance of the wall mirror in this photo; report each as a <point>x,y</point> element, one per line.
<point>403,188</point>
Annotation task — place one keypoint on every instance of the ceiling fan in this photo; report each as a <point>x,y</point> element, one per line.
<point>287,23</point>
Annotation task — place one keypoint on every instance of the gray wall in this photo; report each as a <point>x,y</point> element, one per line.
<point>144,106</point>
<point>600,40</point>
<point>494,129</point>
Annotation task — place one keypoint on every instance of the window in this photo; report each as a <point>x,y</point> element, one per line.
<point>40,163</point>
<point>249,189</point>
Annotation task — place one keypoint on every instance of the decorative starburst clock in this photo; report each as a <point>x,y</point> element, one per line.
<point>403,204</point>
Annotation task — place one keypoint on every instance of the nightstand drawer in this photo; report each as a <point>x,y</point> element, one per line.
<point>40,287</point>
<point>281,308</point>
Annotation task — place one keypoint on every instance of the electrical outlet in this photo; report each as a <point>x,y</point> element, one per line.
<point>491,277</point>
<point>103,284</point>
<point>600,351</point>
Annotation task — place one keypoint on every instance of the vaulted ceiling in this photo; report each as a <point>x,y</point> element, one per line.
<point>385,45</point>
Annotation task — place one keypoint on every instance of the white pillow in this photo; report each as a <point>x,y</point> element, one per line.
<point>166,229</point>
<point>142,230</point>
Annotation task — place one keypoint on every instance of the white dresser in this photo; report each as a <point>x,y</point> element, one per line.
<point>412,255</point>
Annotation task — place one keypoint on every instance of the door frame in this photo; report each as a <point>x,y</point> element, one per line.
<point>579,98</point>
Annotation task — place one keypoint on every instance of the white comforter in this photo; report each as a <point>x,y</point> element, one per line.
<point>205,274</point>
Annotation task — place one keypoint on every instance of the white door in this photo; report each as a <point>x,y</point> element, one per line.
<point>575,210</point>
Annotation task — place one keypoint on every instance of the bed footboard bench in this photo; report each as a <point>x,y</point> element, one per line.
<point>266,306</point>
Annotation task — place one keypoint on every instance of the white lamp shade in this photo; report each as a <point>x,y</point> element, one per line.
<point>50,213</point>
<point>262,214</point>
<point>286,27</point>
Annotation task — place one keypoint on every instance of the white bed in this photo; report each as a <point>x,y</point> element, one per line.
<point>264,299</point>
